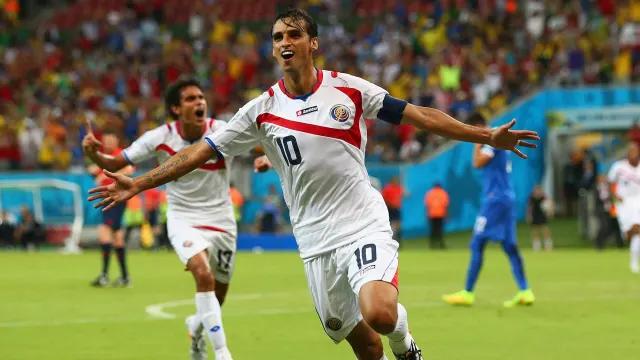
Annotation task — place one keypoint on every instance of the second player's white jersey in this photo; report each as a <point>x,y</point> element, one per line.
<point>626,178</point>
<point>317,146</point>
<point>200,197</point>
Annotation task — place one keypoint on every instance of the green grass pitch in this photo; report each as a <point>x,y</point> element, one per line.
<point>588,307</point>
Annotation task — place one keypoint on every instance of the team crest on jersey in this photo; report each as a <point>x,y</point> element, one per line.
<point>340,113</point>
<point>334,324</point>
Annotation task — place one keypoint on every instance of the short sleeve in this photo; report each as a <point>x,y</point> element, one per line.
<point>372,95</point>
<point>240,135</point>
<point>144,147</point>
<point>487,150</point>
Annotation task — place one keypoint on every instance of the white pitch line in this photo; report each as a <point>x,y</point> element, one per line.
<point>33,323</point>
<point>157,310</point>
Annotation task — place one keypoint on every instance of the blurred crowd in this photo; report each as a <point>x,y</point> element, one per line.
<point>108,62</point>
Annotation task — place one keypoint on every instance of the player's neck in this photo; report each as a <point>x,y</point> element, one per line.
<point>299,83</point>
<point>192,132</point>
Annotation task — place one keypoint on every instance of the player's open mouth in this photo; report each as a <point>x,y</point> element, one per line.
<point>287,54</point>
<point>200,112</point>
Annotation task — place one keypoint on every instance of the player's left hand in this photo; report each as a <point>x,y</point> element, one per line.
<point>504,138</point>
<point>118,192</point>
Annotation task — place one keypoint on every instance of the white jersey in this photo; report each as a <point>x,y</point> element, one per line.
<point>626,178</point>
<point>202,196</point>
<point>317,146</point>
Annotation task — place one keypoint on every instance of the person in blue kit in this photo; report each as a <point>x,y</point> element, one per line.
<point>496,222</point>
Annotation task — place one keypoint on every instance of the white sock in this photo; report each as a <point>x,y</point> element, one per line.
<point>548,244</point>
<point>399,338</point>
<point>384,357</point>
<point>195,326</point>
<point>536,245</point>
<point>208,310</point>
<point>635,252</point>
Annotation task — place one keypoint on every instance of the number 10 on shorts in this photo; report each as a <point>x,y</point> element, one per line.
<point>366,255</point>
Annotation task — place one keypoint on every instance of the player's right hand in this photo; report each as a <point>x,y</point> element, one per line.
<point>503,137</point>
<point>90,145</point>
<point>118,192</point>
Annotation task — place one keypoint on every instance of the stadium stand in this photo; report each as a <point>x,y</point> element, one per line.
<point>110,61</point>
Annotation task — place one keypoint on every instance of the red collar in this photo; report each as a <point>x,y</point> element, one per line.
<point>207,124</point>
<point>315,86</point>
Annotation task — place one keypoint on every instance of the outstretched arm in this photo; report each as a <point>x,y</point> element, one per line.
<point>185,161</point>
<point>91,148</point>
<point>439,123</point>
<point>124,188</point>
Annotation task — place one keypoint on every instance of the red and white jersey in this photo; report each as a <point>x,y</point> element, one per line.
<point>316,144</point>
<point>626,178</point>
<point>202,196</point>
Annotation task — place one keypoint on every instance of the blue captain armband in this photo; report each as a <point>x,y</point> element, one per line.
<point>213,146</point>
<point>392,109</point>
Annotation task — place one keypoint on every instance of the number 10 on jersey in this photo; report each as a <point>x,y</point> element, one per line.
<point>289,149</point>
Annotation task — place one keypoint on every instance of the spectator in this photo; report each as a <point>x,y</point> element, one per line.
<point>29,233</point>
<point>392,193</point>
<point>237,201</point>
<point>436,202</point>
<point>72,67</point>
<point>410,149</point>
<point>634,132</point>
<point>589,169</point>
<point>270,213</point>
<point>7,231</point>
<point>572,176</point>
<point>30,140</point>
<point>539,210</point>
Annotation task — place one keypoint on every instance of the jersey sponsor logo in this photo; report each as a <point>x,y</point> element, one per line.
<point>306,111</point>
<point>340,113</point>
<point>215,328</point>
<point>334,324</point>
<point>187,243</point>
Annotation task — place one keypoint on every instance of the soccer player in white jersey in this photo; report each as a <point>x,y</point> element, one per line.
<point>311,126</point>
<point>625,174</point>
<point>200,220</point>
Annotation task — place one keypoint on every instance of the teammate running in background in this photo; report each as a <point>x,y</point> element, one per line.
<point>625,175</point>
<point>496,221</point>
<point>200,220</point>
<point>110,232</point>
<point>311,126</point>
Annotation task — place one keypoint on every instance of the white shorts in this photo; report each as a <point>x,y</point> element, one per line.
<point>335,279</point>
<point>188,240</point>
<point>628,213</point>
